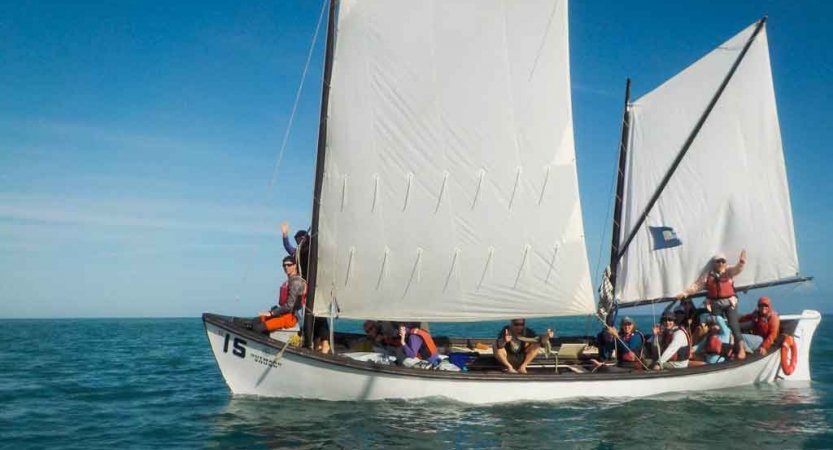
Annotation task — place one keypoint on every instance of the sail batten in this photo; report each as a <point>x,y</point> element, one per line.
<point>454,129</point>
<point>728,193</point>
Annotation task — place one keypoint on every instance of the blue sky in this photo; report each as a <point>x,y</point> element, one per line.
<point>138,141</point>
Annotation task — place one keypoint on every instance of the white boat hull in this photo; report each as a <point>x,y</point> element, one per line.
<point>251,367</point>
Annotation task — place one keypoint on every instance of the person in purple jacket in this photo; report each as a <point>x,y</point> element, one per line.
<point>417,343</point>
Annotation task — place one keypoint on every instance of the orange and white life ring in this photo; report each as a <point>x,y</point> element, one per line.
<point>789,355</point>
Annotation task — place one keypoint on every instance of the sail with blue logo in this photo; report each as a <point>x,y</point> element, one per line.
<point>664,237</point>
<point>729,191</point>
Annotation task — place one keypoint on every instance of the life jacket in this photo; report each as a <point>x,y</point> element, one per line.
<point>761,324</point>
<point>428,348</point>
<point>719,286</point>
<point>684,352</point>
<point>284,296</point>
<point>714,346</point>
<point>633,353</point>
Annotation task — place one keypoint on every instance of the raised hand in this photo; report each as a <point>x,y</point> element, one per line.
<point>507,337</point>
<point>656,329</point>
<point>743,256</point>
<point>284,229</point>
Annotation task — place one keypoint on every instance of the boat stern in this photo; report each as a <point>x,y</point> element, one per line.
<point>805,328</point>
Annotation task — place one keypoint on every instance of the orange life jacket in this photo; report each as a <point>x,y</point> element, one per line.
<point>428,348</point>
<point>719,286</point>
<point>761,324</point>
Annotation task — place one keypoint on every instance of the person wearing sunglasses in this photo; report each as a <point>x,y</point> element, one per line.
<point>516,346</point>
<point>290,308</point>
<point>674,343</point>
<point>718,281</point>
<point>765,325</point>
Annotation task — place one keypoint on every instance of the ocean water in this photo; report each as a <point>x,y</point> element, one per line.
<point>153,383</point>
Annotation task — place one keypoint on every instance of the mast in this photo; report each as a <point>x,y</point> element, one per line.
<point>319,174</point>
<point>689,141</point>
<point>620,187</point>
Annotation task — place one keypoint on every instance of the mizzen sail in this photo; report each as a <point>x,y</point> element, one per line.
<point>730,190</point>
<point>450,190</point>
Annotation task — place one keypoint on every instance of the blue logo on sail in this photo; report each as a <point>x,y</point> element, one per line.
<point>664,237</point>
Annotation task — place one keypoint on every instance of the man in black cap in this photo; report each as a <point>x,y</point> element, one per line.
<point>674,341</point>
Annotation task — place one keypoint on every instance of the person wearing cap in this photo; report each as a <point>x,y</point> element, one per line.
<point>718,281</point>
<point>717,344</point>
<point>765,325</point>
<point>629,343</point>
<point>301,251</point>
<point>674,341</point>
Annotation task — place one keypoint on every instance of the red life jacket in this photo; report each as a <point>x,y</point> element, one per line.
<point>719,286</point>
<point>284,295</point>
<point>684,352</point>
<point>714,346</point>
<point>631,354</point>
<point>761,324</point>
<point>428,348</point>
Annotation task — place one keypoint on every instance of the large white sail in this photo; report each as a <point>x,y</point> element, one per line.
<point>450,190</point>
<point>730,191</point>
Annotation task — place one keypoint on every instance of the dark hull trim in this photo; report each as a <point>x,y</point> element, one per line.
<point>225,323</point>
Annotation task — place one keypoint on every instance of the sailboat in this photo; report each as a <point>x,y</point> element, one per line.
<point>446,191</point>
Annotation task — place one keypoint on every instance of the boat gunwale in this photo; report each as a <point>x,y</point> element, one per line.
<point>370,366</point>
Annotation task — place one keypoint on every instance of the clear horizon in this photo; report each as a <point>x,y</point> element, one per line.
<point>138,141</point>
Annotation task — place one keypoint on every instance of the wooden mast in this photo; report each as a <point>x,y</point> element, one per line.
<point>319,175</point>
<point>620,190</point>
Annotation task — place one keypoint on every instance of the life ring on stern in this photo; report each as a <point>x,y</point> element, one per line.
<point>789,355</point>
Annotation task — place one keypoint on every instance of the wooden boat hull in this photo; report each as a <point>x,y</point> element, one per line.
<point>254,365</point>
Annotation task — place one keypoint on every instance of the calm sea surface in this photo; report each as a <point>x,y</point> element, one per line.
<point>153,383</point>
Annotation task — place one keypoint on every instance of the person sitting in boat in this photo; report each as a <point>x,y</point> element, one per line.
<point>321,329</point>
<point>628,342</point>
<point>290,308</point>
<point>417,345</point>
<point>382,336</point>
<point>765,326</point>
<point>516,346</point>
<point>675,344</point>
<point>718,281</point>
<point>717,344</point>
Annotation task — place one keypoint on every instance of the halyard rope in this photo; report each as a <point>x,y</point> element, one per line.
<point>286,135</point>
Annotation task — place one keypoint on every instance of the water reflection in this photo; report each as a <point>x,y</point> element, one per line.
<point>758,416</point>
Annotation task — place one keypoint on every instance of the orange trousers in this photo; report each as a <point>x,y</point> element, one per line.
<point>287,320</point>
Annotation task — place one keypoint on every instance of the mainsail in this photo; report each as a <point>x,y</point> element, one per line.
<point>730,190</point>
<point>449,187</point>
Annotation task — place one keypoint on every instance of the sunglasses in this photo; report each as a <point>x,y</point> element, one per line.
<point>289,264</point>
<point>763,306</point>
<point>515,324</point>
<point>668,319</point>
<point>720,261</point>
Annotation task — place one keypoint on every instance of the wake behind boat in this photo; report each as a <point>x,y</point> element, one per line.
<point>437,202</point>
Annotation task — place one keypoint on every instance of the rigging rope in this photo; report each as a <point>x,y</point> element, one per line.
<point>619,339</point>
<point>287,133</point>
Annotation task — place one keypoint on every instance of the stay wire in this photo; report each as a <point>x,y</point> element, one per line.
<point>287,133</point>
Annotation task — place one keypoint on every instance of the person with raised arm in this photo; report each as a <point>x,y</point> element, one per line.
<point>718,281</point>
